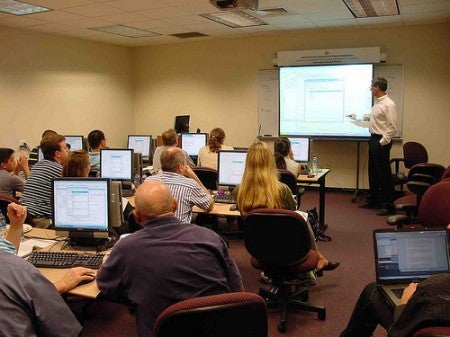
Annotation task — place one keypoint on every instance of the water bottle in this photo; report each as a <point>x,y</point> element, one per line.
<point>2,225</point>
<point>315,165</point>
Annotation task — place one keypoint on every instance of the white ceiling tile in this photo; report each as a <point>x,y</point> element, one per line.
<point>94,10</point>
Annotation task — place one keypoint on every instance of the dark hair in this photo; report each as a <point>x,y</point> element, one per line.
<point>48,133</point>
<point>76,164</point>
<point>95,137</point>
<point>5,154</point>
<point>381,83</point>
<point>50,144</point>
<point>281,148</point>
<point>215,141</point>
<point>171,158</point>
<point>169,137</point>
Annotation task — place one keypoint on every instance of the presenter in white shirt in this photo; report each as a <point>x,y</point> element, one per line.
<point>382,127</point>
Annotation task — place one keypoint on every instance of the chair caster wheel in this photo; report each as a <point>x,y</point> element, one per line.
<point>322,315</point>
<point>282,327</point>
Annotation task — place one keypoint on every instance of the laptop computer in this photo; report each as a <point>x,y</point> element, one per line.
<point>403,256</point>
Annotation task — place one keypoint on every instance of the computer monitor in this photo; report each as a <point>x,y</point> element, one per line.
<point>231,166</point>
<point>75,142</point>
<point>116,164</point>
<point>192,142</point>
<point>81,209</point>
<point>182,123</point>
<point>300,148</point>
<point>141,144</point>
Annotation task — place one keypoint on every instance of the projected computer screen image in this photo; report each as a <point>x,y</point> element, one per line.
<point>81,205</point>
<point>75,142</point>
<point>231,166</point>
<point>116,164</point>
<point>300,148</point>
<point>192,142</point>
<point>317,100</point>
<point>140,144</point>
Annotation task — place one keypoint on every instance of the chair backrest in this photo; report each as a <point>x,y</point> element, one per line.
<point>288,178</point>
<point>276,236</point>
<point>414,153</point>
<point>433,331</point>
<point>207,176</point>
<point>434,210</point>
<point>239,314</point>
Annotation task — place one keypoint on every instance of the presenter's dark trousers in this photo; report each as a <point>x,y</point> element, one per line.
<point>370,310</point>
<point>380,178</point>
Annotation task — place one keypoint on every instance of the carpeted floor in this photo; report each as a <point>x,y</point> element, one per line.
<point>350,228</point>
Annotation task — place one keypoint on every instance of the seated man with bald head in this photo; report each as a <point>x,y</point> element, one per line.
<point>165,262</point>
<point>184,184</point>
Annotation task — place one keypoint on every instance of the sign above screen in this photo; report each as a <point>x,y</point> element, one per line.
<point>317,100</point>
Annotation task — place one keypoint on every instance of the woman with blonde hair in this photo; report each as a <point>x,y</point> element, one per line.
<point>77,164</point>
<point>208,154</point>
<point>260,188</point>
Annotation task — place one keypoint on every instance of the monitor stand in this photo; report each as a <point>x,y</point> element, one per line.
<point>91,243</point>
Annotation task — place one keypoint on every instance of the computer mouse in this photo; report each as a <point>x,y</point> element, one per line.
<point>233,207</point>
<point>87,281</point>
<point>311,175</point>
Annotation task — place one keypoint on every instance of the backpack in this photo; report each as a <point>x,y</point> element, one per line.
<point>319,232</point>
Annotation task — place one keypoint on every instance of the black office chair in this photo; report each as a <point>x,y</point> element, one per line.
<point>413,153</point>
<point>207,176</point>
<point>239,314</point>
<point>279,242</point>
<point>288,178</point>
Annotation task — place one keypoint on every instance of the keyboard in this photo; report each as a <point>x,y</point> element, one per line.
<point>65,260</point>
<point>224,198</point>
<point>126,193</point>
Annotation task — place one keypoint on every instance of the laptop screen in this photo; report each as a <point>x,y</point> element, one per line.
<point>403,256</point>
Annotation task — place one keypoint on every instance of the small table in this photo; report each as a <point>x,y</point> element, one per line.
<point>318,179</point>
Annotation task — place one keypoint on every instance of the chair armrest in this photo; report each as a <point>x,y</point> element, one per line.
<point>423,177</point>
<point>396,162</point>
<point>418,187</point>
<point>398,220</point>
<point>409,209</point>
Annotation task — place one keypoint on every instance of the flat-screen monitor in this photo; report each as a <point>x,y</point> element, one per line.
<point>182,123</point>
<point>231,166</point>
<point>141,144</point>
<point>300,149</point>
<point>81,207</point>
<point>116,164</point>
<point>192,142</point>
<point>75,142</point>
<point>318,100</point>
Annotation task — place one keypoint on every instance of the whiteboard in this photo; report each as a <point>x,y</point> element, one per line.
<point>268,106</point>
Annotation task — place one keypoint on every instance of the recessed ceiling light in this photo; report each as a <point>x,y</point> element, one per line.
<point>20,8</point>
<point>124,31</point>
<point>372,8</point>
<point>235,19</point>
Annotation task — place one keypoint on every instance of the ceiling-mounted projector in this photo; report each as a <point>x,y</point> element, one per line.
<point>234,4</point>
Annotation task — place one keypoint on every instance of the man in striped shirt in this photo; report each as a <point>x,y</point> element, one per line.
<point>37,193</point>
<point>183,183</point>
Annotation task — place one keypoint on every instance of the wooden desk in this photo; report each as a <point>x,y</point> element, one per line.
<point>219,209</point>
<point>318,179</point>
<point>89,290</point>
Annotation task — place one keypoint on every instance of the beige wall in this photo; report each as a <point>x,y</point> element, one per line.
<point>216,83</point>
<point>69,85</point>
<point>74,86</point>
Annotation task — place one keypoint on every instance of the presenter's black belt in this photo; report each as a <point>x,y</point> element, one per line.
<point>374,135</point>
